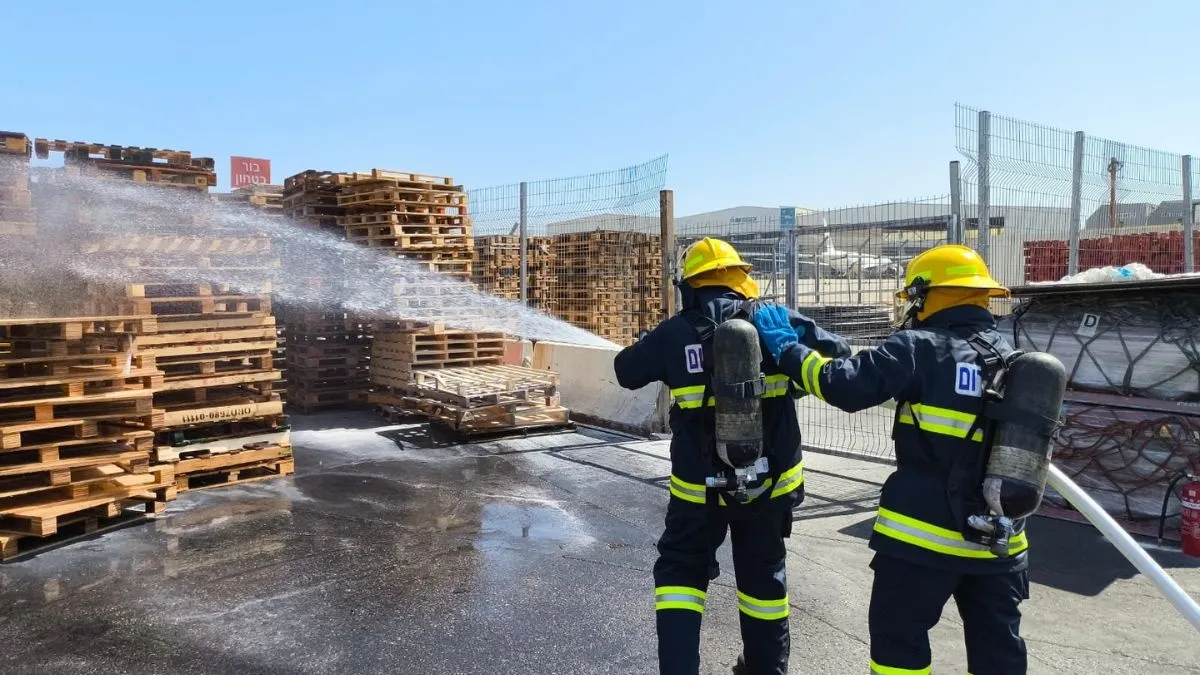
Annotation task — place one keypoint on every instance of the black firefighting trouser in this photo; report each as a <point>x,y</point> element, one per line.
<point>907,601</point>
<point>686,564</point>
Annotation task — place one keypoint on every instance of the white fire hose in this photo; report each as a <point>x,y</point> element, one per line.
<point>1125,544</point>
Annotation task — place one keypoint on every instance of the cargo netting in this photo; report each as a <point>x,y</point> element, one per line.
<point>1131,421</point>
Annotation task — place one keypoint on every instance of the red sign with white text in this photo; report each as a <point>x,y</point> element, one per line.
<point>246,171</point>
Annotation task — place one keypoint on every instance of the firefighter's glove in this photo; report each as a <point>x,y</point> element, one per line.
<point>776,330</point>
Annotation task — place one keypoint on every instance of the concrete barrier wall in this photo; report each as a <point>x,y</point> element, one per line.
<point>589,387</point>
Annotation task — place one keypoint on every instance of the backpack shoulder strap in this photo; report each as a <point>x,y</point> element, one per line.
<point>705,327</point>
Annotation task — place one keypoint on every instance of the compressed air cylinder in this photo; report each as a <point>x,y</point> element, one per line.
<point>1015,478</point>
<point>737,359</point>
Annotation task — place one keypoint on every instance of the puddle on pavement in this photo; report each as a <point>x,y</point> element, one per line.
<point>509,525</point>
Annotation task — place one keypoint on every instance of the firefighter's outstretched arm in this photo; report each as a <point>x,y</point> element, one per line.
<point>815,337</point>
<point>850,383</point>
<point>642,362</point>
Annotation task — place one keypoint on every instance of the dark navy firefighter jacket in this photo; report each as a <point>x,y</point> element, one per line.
<point>672,353</point>
<point>934,375</point>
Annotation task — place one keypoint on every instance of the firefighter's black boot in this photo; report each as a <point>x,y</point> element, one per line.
<point>739,668</point>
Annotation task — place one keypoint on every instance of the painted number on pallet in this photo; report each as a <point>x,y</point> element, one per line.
<point>219,414</point>
<point>1087,325</point>
<point>968,380</point>
<point>695,358</point>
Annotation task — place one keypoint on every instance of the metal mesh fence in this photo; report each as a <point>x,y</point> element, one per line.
<point>1061,202</point>
<point>593,250</point>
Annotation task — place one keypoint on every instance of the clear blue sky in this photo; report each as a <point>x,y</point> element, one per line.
<point>810,103</point>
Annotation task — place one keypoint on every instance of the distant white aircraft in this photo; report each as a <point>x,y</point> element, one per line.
<point>847,263</point>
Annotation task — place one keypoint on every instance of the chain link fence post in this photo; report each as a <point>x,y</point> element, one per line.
<point>985,184</point>
<point>954,223</point>
<point>1189,216</point>
<point>523,242</point>
<point>1076,203</point>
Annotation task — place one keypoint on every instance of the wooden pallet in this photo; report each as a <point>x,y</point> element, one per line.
<point>176,289</point>
<point>390,176</point>
<point>164,453</point>
<point>27,388</point>
<point>182,158</point>
<point>112,443</point>
<point>212,414</point>
<point>42,519</point>
<point>253,454</point>
<point>504,418</point>
<point>192,306</point>
<point>75,328</point>
<point>312,180</point>
<point>189,371</point>
<point>437,347</point>
<point>36,433</point>
<point>113,405</point>
<point>185,437</point>
<point>486,385</point>
<point>217,395</point>
<point>238,476</point>
<point>15,143</point>
<point>79,527</point>
<point>423,222</point>
<point>158,175</point>
<point>309,401</point>
<point>404,200</point>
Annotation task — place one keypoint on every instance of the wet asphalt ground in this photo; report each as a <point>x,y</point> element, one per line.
<point>393,552</point>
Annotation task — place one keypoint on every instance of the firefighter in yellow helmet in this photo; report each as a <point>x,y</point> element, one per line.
<point>715,286</point>
<point>935,368</point>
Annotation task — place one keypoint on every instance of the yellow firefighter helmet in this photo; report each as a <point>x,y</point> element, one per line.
<point>710,254</point>
<point>949,266</point>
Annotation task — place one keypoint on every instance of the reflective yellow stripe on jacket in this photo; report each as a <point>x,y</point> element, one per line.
<point>939,420</point>
<point>688,492</point>
<point>938,539</point>
<point>690,397</point>
<point>810,373</point>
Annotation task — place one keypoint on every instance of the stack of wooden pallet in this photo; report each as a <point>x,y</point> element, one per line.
<point>647,287</point>
<point>215,346</point>
<point>422,218</point>
<point>169,168</point>
<point>76,428</point>
<point>497,269</point>
<point>480,401</point>
<point>400,350</point>
<point>456,379</point>
<point>311,198</point>
<point>327,359</point>
<point>327,354</point>
<point>596,272</point>
<point>16,206</point>
<point>213,341</point>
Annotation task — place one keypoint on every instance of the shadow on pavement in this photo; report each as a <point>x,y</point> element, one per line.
<point>335,419</point>
<point>1069,556</point>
